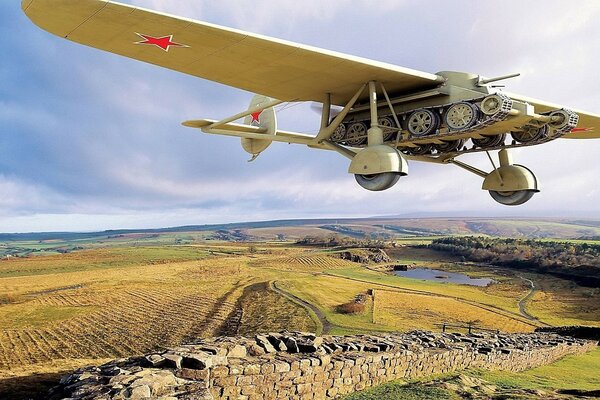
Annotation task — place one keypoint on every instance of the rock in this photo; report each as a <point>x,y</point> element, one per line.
<point>265,344</point>
<point>292,345</point>
<point>277,342</point>
<point>139,392</point>
<point>255,350</point>
<point>237,351</point>
<point>307,348</point>
<point>155,360</point>
<point>115,371</point>
<point>158,383</point>
<point>173,361</point>
<point>197,361</point>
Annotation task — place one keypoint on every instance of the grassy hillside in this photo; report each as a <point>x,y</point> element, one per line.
<point>131,294</point>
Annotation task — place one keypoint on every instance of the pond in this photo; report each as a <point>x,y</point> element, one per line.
<point>443,276</point>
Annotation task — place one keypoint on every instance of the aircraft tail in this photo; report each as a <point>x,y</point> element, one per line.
<point>262,118</point>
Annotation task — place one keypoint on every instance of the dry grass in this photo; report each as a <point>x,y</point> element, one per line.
<point>267,311</point>
<point>560,302</point>
<point>113,311</point>
<point>303,262</point>
<point>414,311</point>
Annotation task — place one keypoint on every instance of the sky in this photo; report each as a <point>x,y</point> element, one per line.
<point>91,141</point>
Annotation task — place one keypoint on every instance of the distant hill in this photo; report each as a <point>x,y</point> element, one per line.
<point>380,227</point>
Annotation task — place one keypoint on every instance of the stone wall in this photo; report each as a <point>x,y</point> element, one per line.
<point>302,366</point>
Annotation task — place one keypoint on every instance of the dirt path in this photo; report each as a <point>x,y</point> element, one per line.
<point>523,302</point>
<point>324,325</point>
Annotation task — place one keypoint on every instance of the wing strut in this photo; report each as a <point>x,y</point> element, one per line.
<point>243,114</point>
<point>328,129</point>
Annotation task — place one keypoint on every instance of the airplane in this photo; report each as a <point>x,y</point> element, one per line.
<point>378,115</point>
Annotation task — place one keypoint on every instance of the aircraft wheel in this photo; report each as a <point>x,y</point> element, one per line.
<point>378,182</point>
<point>339,134</point>
<point>490,141</point>
<point>530,134</point>
<point>512,198</point>
<point>423,123</point>
<point>387,125</point>
<point>357,134</point>
<point>461,116</point>
<point>449,146</point>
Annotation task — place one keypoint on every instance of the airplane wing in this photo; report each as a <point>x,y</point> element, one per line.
<point>258,64</point>
<point>589,124</point>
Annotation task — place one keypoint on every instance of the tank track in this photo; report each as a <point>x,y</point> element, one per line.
<point>503,112</point>
<point>499,116</point>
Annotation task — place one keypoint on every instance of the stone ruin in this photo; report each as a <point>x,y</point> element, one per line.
<point>304,366</point>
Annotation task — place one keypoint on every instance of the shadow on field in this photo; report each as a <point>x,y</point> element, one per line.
<point>34,387</point>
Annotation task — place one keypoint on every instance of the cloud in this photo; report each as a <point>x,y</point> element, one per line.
<point>86,133</point>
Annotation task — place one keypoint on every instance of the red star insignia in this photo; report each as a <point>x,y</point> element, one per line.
<point>582,130</point>
<point>165,42</point>
<point>256,117</point>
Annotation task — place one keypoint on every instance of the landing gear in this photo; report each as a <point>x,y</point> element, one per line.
<point>378,182</point>
<point>422,123</point>
<point>512,198</point>
<point>511,184</point>
<point>378,166</point>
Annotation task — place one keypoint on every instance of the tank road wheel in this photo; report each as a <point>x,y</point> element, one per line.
<point>339,134</point>
<point>378,182</point>
<point>357,134</point>
<point>494,104</point>
<point>422,150</point>
<point>449,146</point>
<point>530,134</point>
<point>566,121</point>
<point>489,141</point>
<point>461,116</point>
<point>422,123</point>
<point>388,126</point>
<point>512,198</point>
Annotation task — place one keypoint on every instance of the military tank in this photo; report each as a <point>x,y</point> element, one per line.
<point>465,114</point>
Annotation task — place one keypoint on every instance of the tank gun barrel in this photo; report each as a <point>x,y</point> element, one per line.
<point>500,78</point>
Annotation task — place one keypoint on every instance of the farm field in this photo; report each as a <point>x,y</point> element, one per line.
<point>108,300</point>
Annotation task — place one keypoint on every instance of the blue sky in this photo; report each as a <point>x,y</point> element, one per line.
<point>89,140</point>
